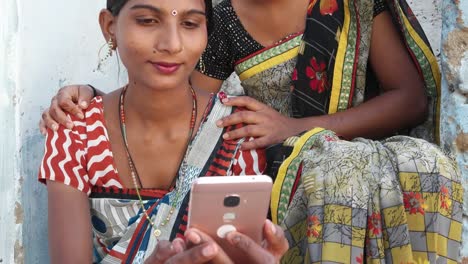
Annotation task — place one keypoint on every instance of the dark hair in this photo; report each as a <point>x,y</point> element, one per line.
<point>114,6</point>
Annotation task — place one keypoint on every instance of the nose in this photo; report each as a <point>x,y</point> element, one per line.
<point>170,40</point>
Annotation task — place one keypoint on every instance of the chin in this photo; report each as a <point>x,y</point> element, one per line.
<point>165,83</point>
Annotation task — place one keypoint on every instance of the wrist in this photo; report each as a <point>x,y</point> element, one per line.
<point>308,123</point>
<point>296,126</point>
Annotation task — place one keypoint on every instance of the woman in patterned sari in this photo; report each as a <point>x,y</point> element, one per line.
<point>399,200</point>
<point>361,69</point>
<point>339,201</point>
<point>118,182</point>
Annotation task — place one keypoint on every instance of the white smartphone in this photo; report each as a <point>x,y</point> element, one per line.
<point>221,204</point>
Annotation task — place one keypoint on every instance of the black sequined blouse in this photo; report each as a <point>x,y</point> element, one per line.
<point>230,42</point>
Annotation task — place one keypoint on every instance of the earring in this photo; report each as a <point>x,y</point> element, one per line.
<point>201,65</point>
<point>110,48</point>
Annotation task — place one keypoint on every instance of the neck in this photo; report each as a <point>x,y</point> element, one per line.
<point>153,107</point>
<point>268,3</point>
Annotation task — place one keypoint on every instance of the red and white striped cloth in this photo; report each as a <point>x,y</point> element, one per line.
<point>82,157</point>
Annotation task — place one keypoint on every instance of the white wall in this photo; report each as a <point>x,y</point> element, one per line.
<point>8,148</point>
<point>45,44</point>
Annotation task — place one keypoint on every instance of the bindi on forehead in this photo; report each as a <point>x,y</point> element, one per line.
<point>173,12</point>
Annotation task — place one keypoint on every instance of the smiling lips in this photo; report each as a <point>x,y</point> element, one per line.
<point>166,67</point>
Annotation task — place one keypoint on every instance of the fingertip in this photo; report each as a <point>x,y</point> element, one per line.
<point>193,237</point>
<point>178,245</point>
<point>69,125</point>
<point>80,115</point>
<point>219,123</point>
<point>233,237</point>
<point>54,127</point>
<point>225,136</point>
<point>83,104</point>
<point>209,250</point>
<point>270,226</point>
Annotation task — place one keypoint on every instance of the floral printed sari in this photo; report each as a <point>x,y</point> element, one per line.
<point>395,201</point>
<point>363,201</point>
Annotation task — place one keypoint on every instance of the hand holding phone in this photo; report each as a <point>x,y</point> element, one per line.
<point>221,204</point>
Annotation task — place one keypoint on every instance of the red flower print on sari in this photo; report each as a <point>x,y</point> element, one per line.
<point>294,75</point>
<point>327,7</point>
<point>375,223</point>
<point>313,228</point>
<point>317,74</point>
<point>360,259</point>
<point>445,201</point>
<point>414,202</point>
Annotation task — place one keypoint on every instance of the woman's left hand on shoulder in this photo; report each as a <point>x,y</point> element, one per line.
<point>266,125</point>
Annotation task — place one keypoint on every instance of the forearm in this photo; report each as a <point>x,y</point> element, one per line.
<point>379,117</point>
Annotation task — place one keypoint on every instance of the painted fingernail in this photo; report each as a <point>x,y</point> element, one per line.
<point>208,251</point>
<point>226,136</point>
<point>69,125</point>
<point>54,127</point>
<point>222,96</point>
<point>80,115</point>
<point>219,123</point>
<point>84,104</point>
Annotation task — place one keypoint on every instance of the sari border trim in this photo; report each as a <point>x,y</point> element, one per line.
<point>339,62</point>
<point>424,48</point>
<point>269,58</point>
<point>356,58</point>
<point>280,178</point>
<point>269,47</point>
<point>349,73</point>
<point>269,63</point>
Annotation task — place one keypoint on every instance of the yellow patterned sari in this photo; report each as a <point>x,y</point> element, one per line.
<point>359,201</point>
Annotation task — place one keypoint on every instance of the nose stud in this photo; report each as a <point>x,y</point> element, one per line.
<point>174,12</point>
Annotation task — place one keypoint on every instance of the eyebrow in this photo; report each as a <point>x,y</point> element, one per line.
<point>158,10</point>
<point>150,7</point>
